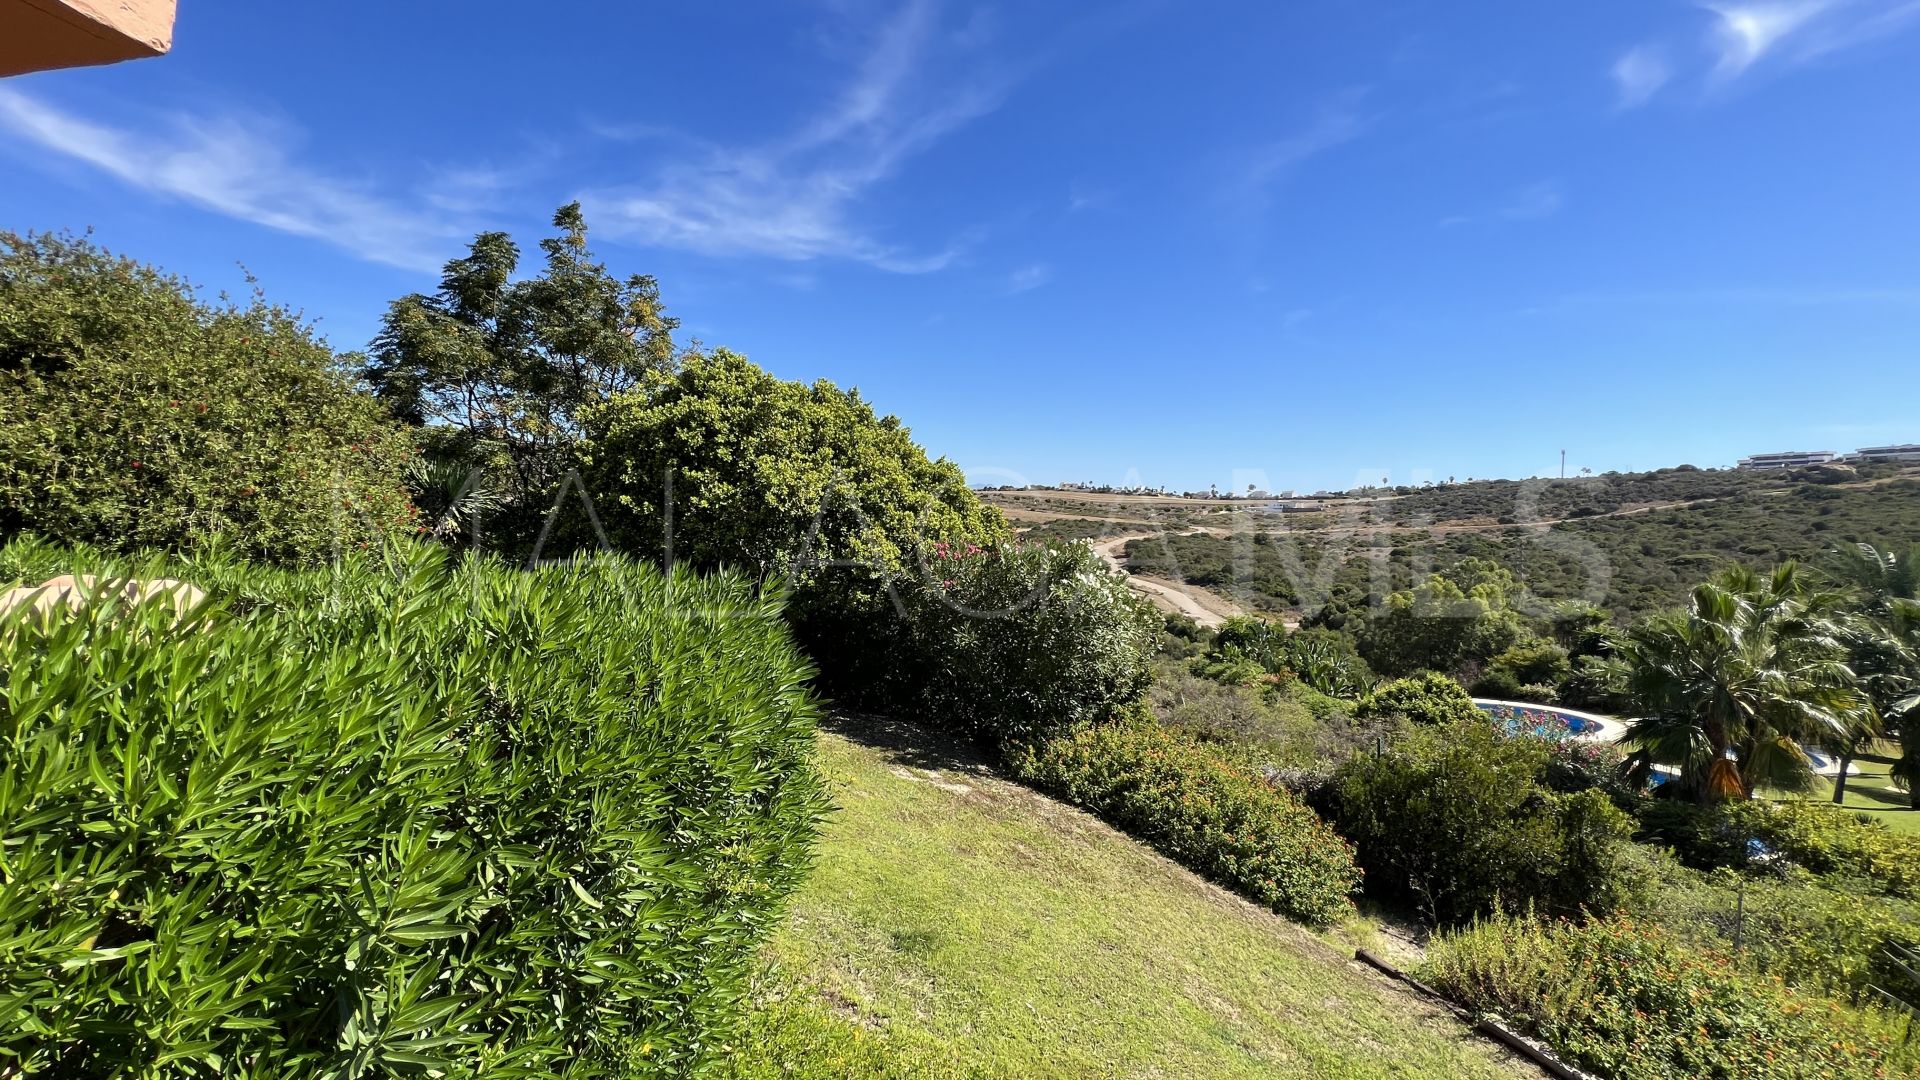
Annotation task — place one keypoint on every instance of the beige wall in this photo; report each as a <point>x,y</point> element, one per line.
<point>39,34</point>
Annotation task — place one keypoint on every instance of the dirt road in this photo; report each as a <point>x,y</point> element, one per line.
<point>1208,609</point>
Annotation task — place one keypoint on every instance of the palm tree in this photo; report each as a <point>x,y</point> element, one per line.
<point>1885,646</point>
<point>1731,686</point>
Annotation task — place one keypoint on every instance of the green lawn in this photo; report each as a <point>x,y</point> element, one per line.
<point>958,924</point>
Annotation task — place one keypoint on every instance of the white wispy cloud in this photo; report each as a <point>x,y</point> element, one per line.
<point>242,168</point>
<point>1535,201</point>
<point>1743,36</point>
<point>1337,122</point>
<point>1745,32</point>
<point>796,197</point>
<point>1029,277</point>
<point>1639,74</point>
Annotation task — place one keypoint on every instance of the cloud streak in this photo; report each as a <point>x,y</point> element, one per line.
<point>795,197</point>
<point>1743,36</point>
<point>242,170</point>
<point>1639,74</point>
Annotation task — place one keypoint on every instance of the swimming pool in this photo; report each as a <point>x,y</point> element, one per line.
<point>1550,722</point>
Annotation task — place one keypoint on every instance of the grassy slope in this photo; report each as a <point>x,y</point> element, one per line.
<point>959,923</point>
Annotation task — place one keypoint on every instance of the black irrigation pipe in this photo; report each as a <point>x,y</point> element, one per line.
<point>1487,1026</point>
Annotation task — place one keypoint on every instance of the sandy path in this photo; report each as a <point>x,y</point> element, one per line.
<point>1208,609</point>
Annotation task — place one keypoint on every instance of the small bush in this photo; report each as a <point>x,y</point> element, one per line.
<point>1456,821</point>
<point>1204,811</point>
<point>1427,698</point>
<point>1632,1003</point>
<point>403,816</point>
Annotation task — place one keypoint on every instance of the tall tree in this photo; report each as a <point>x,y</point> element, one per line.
<point>497,371</point>
<point>1731,686</point>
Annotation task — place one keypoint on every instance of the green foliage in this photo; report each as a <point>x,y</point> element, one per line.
<point>133,414</point>
<point>1528,670</point>
<point>402,816</point>
<point>772,476</point>
<point>1288,725</point>
<point>1817,934</point>
<point>1457,821</point>
<point>1017,643</point>
<point>1819,837</point>
<point>498,371</point>
<point>1247,646</point>
<point>1631,1002</point>
<point>1729,689</point>
<point>1203,810</point>
<point>1446,623</point>
<point>1427,698</point>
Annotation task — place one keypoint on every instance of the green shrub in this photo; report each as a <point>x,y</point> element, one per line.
<point>1426,698</point>
<point>132,414</point>
<point>1457,821</point>
<point>1286,724</point>
<point>1822,838</point>
<point>402,816</point>
<point>1811,932</point>
<point>1017,643</point>
<point>1632,1003</point>
<point>1204,811</point>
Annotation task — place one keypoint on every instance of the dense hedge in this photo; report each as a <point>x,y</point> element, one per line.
<point>1631,1003</point>
<point>133,414</point>
<point>1203,810</point>
<point>1459,821</point>
<point>404,816</point>
<point>1822,838</point>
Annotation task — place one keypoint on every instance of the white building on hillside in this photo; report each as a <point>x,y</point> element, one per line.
<point>1787,459</point>
<point>1906,452</point>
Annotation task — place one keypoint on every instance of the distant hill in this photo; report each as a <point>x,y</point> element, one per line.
<point>1632,542</point>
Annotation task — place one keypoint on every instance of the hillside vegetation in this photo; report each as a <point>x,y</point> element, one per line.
<point>958,924</point>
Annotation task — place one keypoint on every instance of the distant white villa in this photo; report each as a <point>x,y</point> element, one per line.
<point>1788,459</point>
<point>1904,452</point>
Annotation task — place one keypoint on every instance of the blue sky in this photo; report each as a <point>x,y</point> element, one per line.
<point>1297,244</point>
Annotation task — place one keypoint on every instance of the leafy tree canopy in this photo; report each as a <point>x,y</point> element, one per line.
<point>770,476</point>
<point>500,370</point>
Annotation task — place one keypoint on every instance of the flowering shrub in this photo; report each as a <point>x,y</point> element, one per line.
<point>1630,1003</point>
<point>1203,810</point>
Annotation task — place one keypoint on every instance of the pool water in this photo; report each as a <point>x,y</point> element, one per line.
<point>1541,720</point>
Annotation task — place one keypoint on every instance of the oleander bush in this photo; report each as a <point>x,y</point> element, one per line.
<point>1630,1002</point>
<point>1459,822</point>
<point>1203,810</point>
<point>134,414</point>
<point>1822,838</point>
<point>407,816</point>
